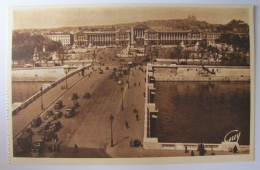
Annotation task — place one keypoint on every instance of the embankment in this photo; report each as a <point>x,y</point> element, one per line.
<point>200,73</point>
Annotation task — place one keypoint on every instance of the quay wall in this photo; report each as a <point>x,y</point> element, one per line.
<point>45,89</point>
<point>199,73</point>
<point>39,73</point>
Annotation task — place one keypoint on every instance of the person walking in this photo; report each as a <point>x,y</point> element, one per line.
<point>126,124</point>
<point>137,117</point>
<point>76,149</point>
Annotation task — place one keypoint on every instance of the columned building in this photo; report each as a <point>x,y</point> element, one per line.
<point>171,37</point>
<point>65,38</point>
<point>101,38</point>
<point>142,35</point>
<point>211,37</point>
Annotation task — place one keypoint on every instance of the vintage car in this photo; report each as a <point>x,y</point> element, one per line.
<point>101,72</point>
<point>48,135</point>
<point>58,105</point>
<point>58,114</point>
<point>87,95</point>
<point>37,148</point>
<point>70,112</point>
<point>48,114</point>
<point>36,122</point>
<point>74,96</point>
<point>55,126</point>
<point>43,128</point>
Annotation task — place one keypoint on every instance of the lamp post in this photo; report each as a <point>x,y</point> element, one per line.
<point>122,90</point>
<point>128,77</point>
<point>111,118</point>
<point>66,80</point>
<point>41,99</point>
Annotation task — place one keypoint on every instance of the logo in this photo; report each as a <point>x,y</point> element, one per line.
<point>232,136</point>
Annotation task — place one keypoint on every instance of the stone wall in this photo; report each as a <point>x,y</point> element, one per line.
<point>199,73</point>
<point>39,74</point>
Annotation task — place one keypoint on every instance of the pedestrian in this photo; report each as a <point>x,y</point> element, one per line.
<point>137,117</point>
<point>135,84</point>
<point>126,124</point>
<point>186,149</point>
<point>139,84</point>
<point>76,149</point>
<point>192,153</point>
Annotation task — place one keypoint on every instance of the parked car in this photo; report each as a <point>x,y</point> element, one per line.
<point>37,147</point>
<point>58,114</point>
<point>101,72</point>
<point>70,112</point>
<point>87,95</point>
<point>28,130</point>
<point>36,122</point>
<point>48,114</point>
<point>24,142</point>
<point>58,105</point>
<point>74,96</point>
<point>55,126</point>
<point>43,128</point>
<point>47,135</point>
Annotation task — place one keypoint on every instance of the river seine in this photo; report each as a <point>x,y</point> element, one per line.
<point>194,112</point>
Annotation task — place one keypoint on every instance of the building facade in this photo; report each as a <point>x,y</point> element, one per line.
<point>65,38</point>
<point>138,36</point>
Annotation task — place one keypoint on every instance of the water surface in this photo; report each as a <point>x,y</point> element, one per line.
<point>202,111</point>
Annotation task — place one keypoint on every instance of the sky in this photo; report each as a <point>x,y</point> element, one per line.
<point>89,15</point>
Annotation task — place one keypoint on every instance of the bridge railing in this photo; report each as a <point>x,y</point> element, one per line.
<point>38,94</point>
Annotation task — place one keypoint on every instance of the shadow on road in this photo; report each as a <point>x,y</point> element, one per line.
<point>69,152</point>
<point>121,140</point>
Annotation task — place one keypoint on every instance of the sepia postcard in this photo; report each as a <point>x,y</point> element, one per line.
<point>111,84</point>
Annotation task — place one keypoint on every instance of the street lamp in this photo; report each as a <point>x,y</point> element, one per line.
<point>41,99</point>
<point>66,80</point>
<point>111,118</point>
<point>128,77</point>
<point>122,90</point>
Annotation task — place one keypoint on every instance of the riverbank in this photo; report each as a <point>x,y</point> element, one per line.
<point>40,74</point>
<point>200,73</point>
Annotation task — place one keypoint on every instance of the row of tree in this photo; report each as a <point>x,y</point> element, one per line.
<point>24,44</point>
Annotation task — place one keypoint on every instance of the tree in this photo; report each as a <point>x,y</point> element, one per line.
<point>23,45</point>
<point>61,55</point>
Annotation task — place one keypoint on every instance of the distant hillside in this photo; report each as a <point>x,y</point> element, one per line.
<point>178,24</point>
